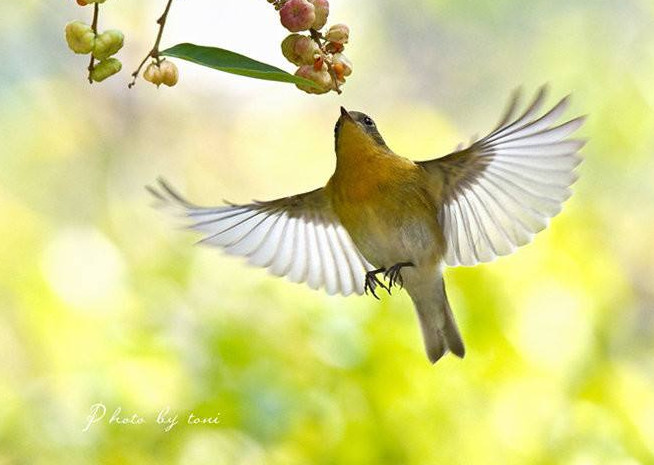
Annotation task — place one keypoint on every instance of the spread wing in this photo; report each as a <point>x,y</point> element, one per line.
<point>298,237</point>
<point>501,190</point>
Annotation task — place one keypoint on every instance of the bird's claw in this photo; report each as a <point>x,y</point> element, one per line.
<point>372,281</point>
<point>394,276</point>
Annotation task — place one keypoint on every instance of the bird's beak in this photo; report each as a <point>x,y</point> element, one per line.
<point>345,114</point>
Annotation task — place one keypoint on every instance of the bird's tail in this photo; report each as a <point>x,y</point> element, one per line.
<point>439,329</point>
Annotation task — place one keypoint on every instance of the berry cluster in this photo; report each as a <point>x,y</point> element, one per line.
<point>84,39</point>
<point>163,72</point>
<point>319,56</point>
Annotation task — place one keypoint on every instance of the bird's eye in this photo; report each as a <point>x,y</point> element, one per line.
<point>368,121</point>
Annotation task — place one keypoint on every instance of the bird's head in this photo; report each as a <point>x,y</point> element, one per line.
<point>357,131</point>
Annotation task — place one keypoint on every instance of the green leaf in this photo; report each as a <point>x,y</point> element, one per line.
<point>231,62</point>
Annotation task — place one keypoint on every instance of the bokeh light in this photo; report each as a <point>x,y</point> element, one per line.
<point>104,299</point>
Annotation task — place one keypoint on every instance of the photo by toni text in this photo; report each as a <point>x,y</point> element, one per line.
<point>166,418</point>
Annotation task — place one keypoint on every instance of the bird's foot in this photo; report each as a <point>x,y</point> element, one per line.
<point>394,276</point>
<point>372,281</point>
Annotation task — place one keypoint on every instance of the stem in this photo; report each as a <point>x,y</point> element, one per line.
<point>154,53</point>
<point>317,38</point>
<point>162,23</point>
<point>277,3</point>
<point>94,27</point>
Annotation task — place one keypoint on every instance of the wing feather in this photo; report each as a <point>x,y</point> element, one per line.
<point>354,258</point>
<point>314,257</point>
<point>328,265</point>
<point>298,237</point>
<point>283,260</point>
<point>342,265</point>
<point>264,254</point>
<point>504,188</point>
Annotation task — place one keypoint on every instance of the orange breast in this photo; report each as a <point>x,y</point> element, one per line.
<point>381,200</point>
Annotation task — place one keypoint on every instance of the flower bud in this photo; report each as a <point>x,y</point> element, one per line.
<point>297,15</point>
<point>82,3</point>
<point>342,65</point>
<point>169,73</point>
<point>320,77</point>
<point>153,74</point>
<point>338,33</point>
<point>322,12</point>
<point>106,68</point>
<point>80,37</point>
<point>107,44</point>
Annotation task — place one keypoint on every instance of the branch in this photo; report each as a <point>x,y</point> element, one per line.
<point>94,27</point>
<point>154,53</point>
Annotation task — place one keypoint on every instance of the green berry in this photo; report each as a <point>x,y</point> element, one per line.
<point>107,44</point>
<point>106,68</point>
<point>288,48</point>
<point>80,37</point>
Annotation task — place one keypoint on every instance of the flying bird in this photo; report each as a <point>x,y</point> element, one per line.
<point>383,220</point>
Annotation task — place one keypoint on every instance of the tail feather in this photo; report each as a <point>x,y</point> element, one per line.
<point>439,329</point>
<point>450,330</point>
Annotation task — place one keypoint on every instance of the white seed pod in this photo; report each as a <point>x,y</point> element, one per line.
<point>153,74</point>
<point>169,73</point>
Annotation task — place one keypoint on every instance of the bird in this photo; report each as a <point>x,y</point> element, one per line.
<point>383,221</point>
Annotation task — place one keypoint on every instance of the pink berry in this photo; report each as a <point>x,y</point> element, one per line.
<point>306,49</point>
<point>322,12</point>
<point>299,50</point>
<point>297,15</point>
<point>321,77</point>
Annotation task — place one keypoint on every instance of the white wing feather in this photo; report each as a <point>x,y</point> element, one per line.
<point>508,184</point>
<point>297,237</point>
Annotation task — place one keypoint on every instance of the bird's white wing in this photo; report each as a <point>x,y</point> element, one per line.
<point>298,237</point>
<point>503,189</point>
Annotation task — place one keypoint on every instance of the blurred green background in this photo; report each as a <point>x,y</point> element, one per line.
<point>103,299</point>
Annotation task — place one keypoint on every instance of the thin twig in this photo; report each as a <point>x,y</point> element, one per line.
<point>94,27</point>
<point>154,53</point>
<point>317,38</point>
